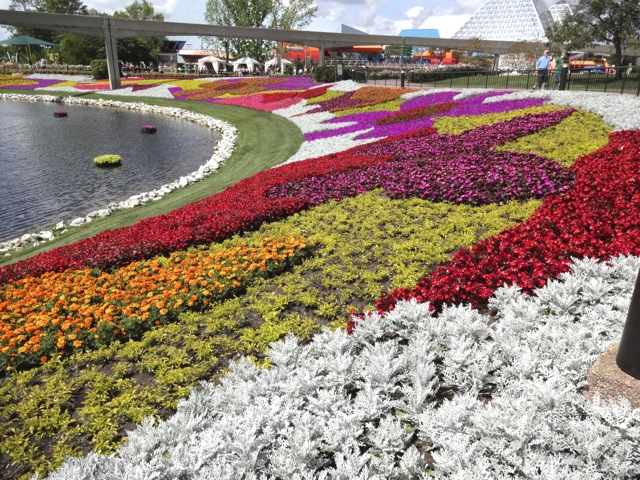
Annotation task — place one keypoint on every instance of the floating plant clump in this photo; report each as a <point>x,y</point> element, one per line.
<point>108,160</point>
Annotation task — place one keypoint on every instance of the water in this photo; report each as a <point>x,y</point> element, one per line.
<point>47,172</point>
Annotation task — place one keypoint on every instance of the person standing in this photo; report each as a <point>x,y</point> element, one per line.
<point>542,66</point>
<point>559,61</point>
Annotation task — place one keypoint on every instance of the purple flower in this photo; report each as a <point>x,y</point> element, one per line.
<point>367,120</point>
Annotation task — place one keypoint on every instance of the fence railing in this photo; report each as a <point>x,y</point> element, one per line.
<point>578,80</point>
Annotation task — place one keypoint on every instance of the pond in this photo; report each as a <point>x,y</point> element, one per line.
<point>47,173</point>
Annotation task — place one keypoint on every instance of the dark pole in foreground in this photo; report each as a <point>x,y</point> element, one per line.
<point>628,357</point>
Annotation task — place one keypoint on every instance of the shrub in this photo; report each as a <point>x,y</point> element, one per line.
<point>99,69</point>
<point>326,74</point>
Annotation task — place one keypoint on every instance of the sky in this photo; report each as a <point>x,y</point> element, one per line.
<point>382,17</point>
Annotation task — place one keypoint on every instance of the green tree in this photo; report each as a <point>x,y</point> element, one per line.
<point>216,14</point>
<point>294,14</point>
<point>140,49</point>
<point>77,49</point>
<point>615,22</point>
<point>258,14</point>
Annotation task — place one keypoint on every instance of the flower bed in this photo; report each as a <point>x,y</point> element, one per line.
<point>409,395</point>
<point>598,218</point>
<point>59,313</point>
<point>499,400</point>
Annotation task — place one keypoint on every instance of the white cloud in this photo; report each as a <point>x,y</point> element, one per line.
<point>338,15</point>
<point>167,7</point>
<point>369,13</point>
<point>414,12</point>
<point>107,6</point>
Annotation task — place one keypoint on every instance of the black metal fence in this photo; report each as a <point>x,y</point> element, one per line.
<point>627,82</point>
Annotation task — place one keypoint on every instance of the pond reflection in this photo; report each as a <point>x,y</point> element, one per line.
<point>47,173</point>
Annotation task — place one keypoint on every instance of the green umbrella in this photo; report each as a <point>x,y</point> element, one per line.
<point>28,41</point>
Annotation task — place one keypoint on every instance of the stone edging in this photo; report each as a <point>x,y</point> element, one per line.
<point>222,151</point>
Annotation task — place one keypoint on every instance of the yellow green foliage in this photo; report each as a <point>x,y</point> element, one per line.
<point>328,95</point>
<point>580,134</point>
<point>108,160</point>
<point>391,106</point>
<point>457,125</point>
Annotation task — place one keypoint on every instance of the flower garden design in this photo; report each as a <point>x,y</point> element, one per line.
<point>335,306</point>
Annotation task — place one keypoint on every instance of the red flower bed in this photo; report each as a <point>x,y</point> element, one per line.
<point>599,218</point>
<point>416,113</point>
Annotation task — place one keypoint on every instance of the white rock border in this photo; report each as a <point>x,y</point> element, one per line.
<point>222,151</point>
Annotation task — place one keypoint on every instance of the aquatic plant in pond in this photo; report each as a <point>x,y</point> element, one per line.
<point>108,160</point>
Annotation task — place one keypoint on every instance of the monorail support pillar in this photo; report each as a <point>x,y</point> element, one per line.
<point>112,56</point>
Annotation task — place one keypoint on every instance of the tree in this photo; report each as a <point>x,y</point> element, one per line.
<point>80,49</point>
<point>258,14</point>
<point>140,10</point>
<point>77,49</point>
<point>216,14</point>
<point>139,49</point>
<point>613,22</point>
<point>294,14</point>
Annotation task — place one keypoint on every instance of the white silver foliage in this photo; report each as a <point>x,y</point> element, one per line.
<point>326,146</point>
<point>479,399</point>
<point>346,86</point>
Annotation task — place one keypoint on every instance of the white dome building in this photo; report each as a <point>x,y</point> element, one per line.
<point>507,20</point>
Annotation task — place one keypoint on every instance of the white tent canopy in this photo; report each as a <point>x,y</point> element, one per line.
<point>245,62</point>
<point>211,62</point>
<point>274,61</point>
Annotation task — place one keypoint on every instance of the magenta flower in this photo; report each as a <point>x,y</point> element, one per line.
<point>456,168</point>
<point>368,120</point>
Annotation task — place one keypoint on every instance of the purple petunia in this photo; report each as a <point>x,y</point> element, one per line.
<point>294,83</point>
